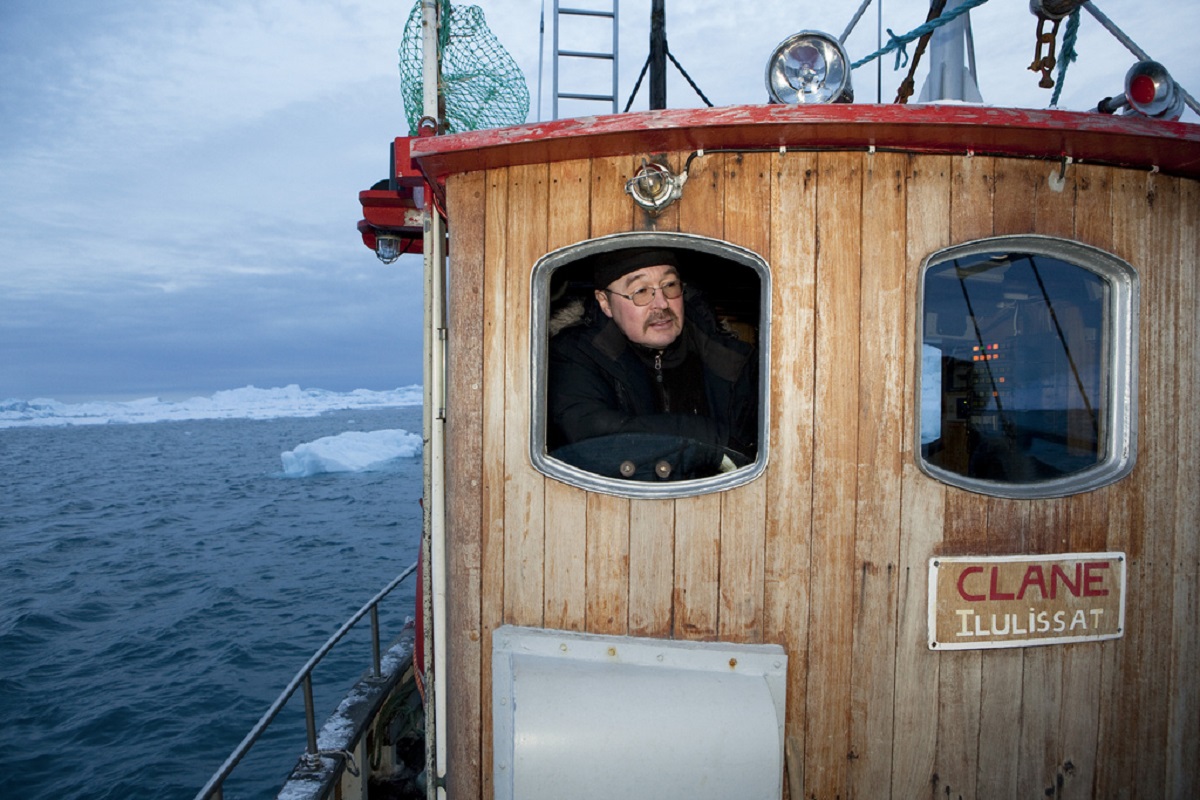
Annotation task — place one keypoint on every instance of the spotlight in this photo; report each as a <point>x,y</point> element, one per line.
<point>655,187</point>
<point>809,67</point>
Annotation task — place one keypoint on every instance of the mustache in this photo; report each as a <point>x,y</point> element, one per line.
<point>660,316</point>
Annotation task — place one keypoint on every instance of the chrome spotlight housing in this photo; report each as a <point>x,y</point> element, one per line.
<point>655,187</point>
<point>809,67</point>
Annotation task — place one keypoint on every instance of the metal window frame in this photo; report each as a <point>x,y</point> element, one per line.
<point>1120,453</point>
<point>539,347</point>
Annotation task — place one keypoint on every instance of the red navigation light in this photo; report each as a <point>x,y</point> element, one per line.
<point>1142,89</point>
<point>1151,91</point>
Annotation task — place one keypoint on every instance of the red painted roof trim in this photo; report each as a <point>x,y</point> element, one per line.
<point>1172,147</point>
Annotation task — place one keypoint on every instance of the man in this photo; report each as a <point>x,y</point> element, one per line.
<point>643,384</point>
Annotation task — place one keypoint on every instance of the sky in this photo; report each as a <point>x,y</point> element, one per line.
<point>179,180</point>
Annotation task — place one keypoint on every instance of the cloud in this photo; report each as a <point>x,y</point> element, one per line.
<point>179,139</point>
<point>178,180</point>
<point>724,48</point>
<point>339,330</point>
<point>171,73</point>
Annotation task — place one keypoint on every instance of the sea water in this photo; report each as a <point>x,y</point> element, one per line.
<point>161,583</point>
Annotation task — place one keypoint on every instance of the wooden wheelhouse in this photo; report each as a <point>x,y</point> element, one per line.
<point>828,551</point>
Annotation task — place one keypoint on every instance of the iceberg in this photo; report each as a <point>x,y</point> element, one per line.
<point>353,451</point>
<point>248,402</point>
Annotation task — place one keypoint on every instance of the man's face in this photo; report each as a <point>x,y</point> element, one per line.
<point>654,325</point>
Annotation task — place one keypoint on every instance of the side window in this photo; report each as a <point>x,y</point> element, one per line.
<point>1028,367</point>
<point>648,352</point>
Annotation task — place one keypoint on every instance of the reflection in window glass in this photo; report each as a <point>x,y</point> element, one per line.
<point>1017,351</point>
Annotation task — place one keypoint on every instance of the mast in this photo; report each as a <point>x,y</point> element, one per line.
<point>658,54</point>
<point>952,62</point>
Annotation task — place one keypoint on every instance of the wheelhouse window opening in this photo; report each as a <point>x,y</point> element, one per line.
<point>649,350</point>
<point>1027,367</point>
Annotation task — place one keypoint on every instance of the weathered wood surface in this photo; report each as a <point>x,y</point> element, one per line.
<point>1116,140</point>
<point>827,552</point>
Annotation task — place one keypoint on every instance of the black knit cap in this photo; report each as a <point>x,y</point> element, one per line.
<point>611,266</point>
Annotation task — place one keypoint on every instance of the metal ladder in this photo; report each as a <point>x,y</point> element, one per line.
<point>559,53</point>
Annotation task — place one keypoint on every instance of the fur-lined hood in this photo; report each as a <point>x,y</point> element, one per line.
<point>573,313</point>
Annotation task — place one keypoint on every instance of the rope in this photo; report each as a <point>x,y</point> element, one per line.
<point>638,84</point>
<point>1066,54</point>
<point>1117,33</point>
<point>908,85</point>
<point>897,43</point>
<point>688,78</point>
<point>854,20</point>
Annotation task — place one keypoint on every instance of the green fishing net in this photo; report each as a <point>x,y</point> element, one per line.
<point>482,85</point>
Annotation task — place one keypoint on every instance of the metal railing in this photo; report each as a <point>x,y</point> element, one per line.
<point>212,789</point>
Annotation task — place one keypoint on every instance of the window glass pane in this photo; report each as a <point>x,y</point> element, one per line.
<point>649,374</point>
<point>1016,379</point>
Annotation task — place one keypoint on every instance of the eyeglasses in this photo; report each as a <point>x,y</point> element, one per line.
<point>642,297</point>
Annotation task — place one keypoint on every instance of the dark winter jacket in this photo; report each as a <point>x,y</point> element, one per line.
<point>604,391</point>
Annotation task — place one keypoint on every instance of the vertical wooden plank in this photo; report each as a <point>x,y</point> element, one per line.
<point>492,557</point>
<point>1088,677</point>
<point>914,761</point>
<point>1094,208</point>
<point>835,468</point>
<point>1054,208</point>
<point>607,564</point>
<point>747,222</point>
<point>1045,681</point>
<point>464,487</point>
<point>1161,394</point>
<point>608,518</point>
<point>1042,684</point>
<point>1051,214</point>
<point>524,497</point>
<point>1086,685</point>
<point>701,209</point>
<point>1165,401</point>
<point>1127,715</point>
<point>698,519</point>
<point>652,523</point>
<point>884,342</point>
<point>612,209</point>
<point>789,474</point>
<point>566,506</point>
<point>971,198</point>
<point>697,552</point>
<point>1001,671</point>
<point>1000,706</point>
<point>651,567</point>
<point>1015,192</point>
<point>961,675</point>
<point>566,557</point>
<point>1184,730</point>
